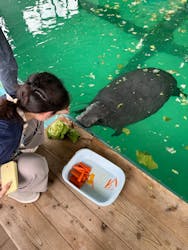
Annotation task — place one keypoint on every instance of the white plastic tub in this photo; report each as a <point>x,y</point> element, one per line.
<point>103,171</point>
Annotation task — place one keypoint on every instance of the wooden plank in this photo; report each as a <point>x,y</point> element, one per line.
<point>138,196</point>
<point>78,225</point>
<point>145,216</point>
<point>140,188</point>
<point>8,245</point>
<point>5,242</point>
<point>132,224</point>
<point>138,228</point>
<point>150,195</point>
<point>28,228</point>
<point>3,236</point>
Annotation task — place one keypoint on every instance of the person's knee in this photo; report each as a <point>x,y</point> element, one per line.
<point>32,164</point>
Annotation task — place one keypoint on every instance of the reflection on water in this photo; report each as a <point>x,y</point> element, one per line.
<point>43,15</point>
<point>6,31</point>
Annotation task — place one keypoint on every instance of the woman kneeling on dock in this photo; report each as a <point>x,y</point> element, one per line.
<point>22,114</point>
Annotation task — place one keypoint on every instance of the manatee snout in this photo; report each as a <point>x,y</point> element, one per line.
<point>85,120</point>
<point>91,115</point>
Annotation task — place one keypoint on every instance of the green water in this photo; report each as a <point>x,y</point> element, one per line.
<point>89,43</point>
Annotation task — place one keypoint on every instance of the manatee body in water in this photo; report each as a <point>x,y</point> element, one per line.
<point>130,98</point>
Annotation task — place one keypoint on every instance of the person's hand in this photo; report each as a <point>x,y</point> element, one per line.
<point>4,189</point>
<point>66,120</point>
<point>63,111</point>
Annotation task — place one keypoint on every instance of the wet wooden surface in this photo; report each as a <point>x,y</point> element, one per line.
<point>145,216</point>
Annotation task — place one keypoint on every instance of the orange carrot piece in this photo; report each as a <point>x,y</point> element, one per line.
<point>108,183</point>
<point>81,177</point>
<point>86,167</point>
<point>85,177</point>
<point>79,169</point>
<point>75,173</point>
<point>73,180</point>
<point>116,182</point>
<point>79,174</point>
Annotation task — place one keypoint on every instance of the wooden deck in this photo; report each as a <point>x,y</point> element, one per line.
<point>145,216</point>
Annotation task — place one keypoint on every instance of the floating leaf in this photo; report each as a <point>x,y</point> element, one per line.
<point>152,47</point>
<point>110,77</point>
<point>175,171</point>
<point>119,105</point>
<point>146,159</point>
<point>171,150</point>
<point>126,131</point>
<point>120,66</point>
<point>166,119</point>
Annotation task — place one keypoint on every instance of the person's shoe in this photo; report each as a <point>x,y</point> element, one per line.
<point>24,197</point>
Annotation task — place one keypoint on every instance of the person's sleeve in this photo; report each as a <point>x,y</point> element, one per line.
<point>8,66</point>
<point>8,141</point>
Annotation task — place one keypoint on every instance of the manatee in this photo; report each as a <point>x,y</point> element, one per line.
<point>129,98</point>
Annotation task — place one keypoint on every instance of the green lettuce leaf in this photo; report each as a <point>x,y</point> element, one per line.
<point>73,135</point>
<point>58,130</point>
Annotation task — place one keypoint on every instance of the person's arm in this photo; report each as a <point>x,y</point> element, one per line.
<point>10,135</point>
<point>8,66</point>
<point>4,189</point>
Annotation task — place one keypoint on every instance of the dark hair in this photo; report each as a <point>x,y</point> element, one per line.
<point>42,92</point>
<point>8,109</point>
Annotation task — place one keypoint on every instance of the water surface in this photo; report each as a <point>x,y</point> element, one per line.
<point>87,44</point>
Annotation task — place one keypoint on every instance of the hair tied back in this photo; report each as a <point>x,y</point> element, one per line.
<point>10,99</point>
<point>40,93</point>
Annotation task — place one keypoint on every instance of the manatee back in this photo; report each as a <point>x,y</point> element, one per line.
<point>148,81</point>
<point>135,96</point>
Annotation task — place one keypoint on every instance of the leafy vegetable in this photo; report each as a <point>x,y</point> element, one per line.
<point>58,130</point>
<point>73,135</point>
<point>146,159</point>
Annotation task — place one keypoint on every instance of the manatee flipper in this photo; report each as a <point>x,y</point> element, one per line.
<point>117,132</point>
<point>179,92</point>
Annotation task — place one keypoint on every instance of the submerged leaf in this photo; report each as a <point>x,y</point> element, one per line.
<point>119,105</point>
<point>146,159</point>
<point>175,171</point>
<point>166,119</point>
<point>126,131</point>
